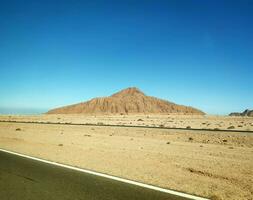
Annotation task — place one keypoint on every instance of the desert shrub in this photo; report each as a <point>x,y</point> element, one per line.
<point>161,125</point>
<point>168,143</point>
<point>190,138</point>
<point>188,127</point>
<point>140,120</point>
<point>60,145</point>
<point>231,127</point>
<point>100,123</point>
<point>215,197</point>
<point>18,129</point>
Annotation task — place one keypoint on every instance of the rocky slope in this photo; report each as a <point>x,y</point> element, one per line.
<point>127,101</point>
<point>247,112</point>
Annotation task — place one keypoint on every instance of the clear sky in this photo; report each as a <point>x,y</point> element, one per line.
<point>197,53</point>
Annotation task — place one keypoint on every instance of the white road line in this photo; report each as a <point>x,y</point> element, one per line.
<point>180,194</point>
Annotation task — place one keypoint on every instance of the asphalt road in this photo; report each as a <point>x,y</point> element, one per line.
<point>24,179</point>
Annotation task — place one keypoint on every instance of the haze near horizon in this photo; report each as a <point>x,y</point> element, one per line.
<point>194,53</point>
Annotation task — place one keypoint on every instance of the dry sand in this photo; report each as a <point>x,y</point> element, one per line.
<point>172,121</point>
<point>211,164</point>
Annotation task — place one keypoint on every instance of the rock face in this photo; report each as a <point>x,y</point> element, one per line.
<point>247,112</point>
<point>127,101</point>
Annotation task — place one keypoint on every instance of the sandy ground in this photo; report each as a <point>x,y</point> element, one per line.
<point>218,165</point>
<point>172,121</point>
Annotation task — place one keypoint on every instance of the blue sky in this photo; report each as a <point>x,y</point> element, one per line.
<point>197,53</point>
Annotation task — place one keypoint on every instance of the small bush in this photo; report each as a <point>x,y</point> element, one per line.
<point>168,143</point>
<point>190,138</point>
<point>100,123</point>
<point>18,129</point>
<point>60,145</point>
<point>215,197</point>
<point>188,127</point>
<point>231,127</point>
<point>140,120</point>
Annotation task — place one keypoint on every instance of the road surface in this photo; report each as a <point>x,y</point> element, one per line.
<point>24,178</point>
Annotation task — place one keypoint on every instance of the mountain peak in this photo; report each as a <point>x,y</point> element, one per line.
<point>131,91</point>
<point>127,101</point>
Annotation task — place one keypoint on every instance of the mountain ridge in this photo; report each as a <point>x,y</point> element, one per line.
<point>127,101</point>
<point>246,112</point>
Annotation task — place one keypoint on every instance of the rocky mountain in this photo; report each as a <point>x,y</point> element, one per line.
<point>127,101</point>
<point>247,112</point>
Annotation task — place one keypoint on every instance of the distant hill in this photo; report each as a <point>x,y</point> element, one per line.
<point>127,101</point>
<point>247,112</point>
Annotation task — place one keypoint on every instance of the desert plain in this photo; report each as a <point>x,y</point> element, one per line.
<point>215,164</point>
